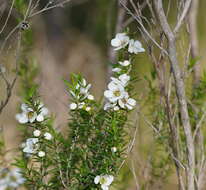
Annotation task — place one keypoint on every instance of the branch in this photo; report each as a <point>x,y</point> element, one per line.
<point>8,16</point>
<point>28,14</point>
<point>47,7</point>
<point>143,27</point>
<point>199,125</point>
<point>132,142</point>
<point>194,39</point>
<point>183,15</point>
<point>180,88</point>
<point>10,85</point>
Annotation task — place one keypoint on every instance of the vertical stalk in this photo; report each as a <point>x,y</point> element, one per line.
<point>180,92</point>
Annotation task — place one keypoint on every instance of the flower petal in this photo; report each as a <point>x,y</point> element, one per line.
<point>121,103</point>
<point>124,63</point>
<point>44,111</point>
<point>24,107</point>
<point>32,119</point>
<point>115,42</point>
<point>132,102</point>
<point>22,118</point>
<point>97,179</point>
<point>40,118</point>
<point>112,86</point>
<point>108,93</point>
<point>104,187</point>
<point>116,70</point>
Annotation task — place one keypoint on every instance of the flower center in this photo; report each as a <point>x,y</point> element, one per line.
<point>117,93</point>
<point>13,178</point>
<point>124,100</point>
<point>30,114</point>
<point>102,180</point>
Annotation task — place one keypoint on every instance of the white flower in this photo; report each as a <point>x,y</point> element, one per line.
<point>4,178</point>
<point>31,145</point>
<point>124,63</point>
<point>43,112</point>
<point>84,82</point>
<point>29,115</point>
<point>88,108</point>
<point>127,102</point>
<point>90,97</point>
<point>73,106</point>
<point>122,79</point>
<point>84,88</point>
<point>116,70</point>
<point>114,149</point>
<point>135,47</point>
<point>104,180</point>
<point>4,184</point>
<point>37,133</point>
<point>120,41</point>
<point>115,92</point>
<point>41,153</point>
<point>81,105</point>
<point>10,178</point>
<point>16,178</point>
<point>47,136</point>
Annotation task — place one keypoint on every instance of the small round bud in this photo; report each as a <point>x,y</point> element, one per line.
<point>41,153</point>
<point>84,82</point>
<point>73,106</point>
<point>37,133</point>
<point>90,97</point>
<point>114,149</point>
<point>125,63</point>
<point>116,70</point>
<point>47,136</point>
<point>88,108</point>
<point>116,108</point>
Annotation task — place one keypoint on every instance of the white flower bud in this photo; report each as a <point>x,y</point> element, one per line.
<point>124,63</point>
<point>84,82</point>
<point>37,133</point>
<point>41,153</point>
<point>88,108</point>
<point>114,149</point>
<point>116,108</point>
<point>73,106</point>
<point>90,97</point>
<point>116,70</point>
<point>47,136</point>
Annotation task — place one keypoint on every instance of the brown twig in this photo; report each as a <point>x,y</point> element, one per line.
<point>182,16</point>
<point>180,87</point>
<point>29,14</point>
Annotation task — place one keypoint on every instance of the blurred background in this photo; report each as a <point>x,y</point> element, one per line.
<point>76,38</point>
